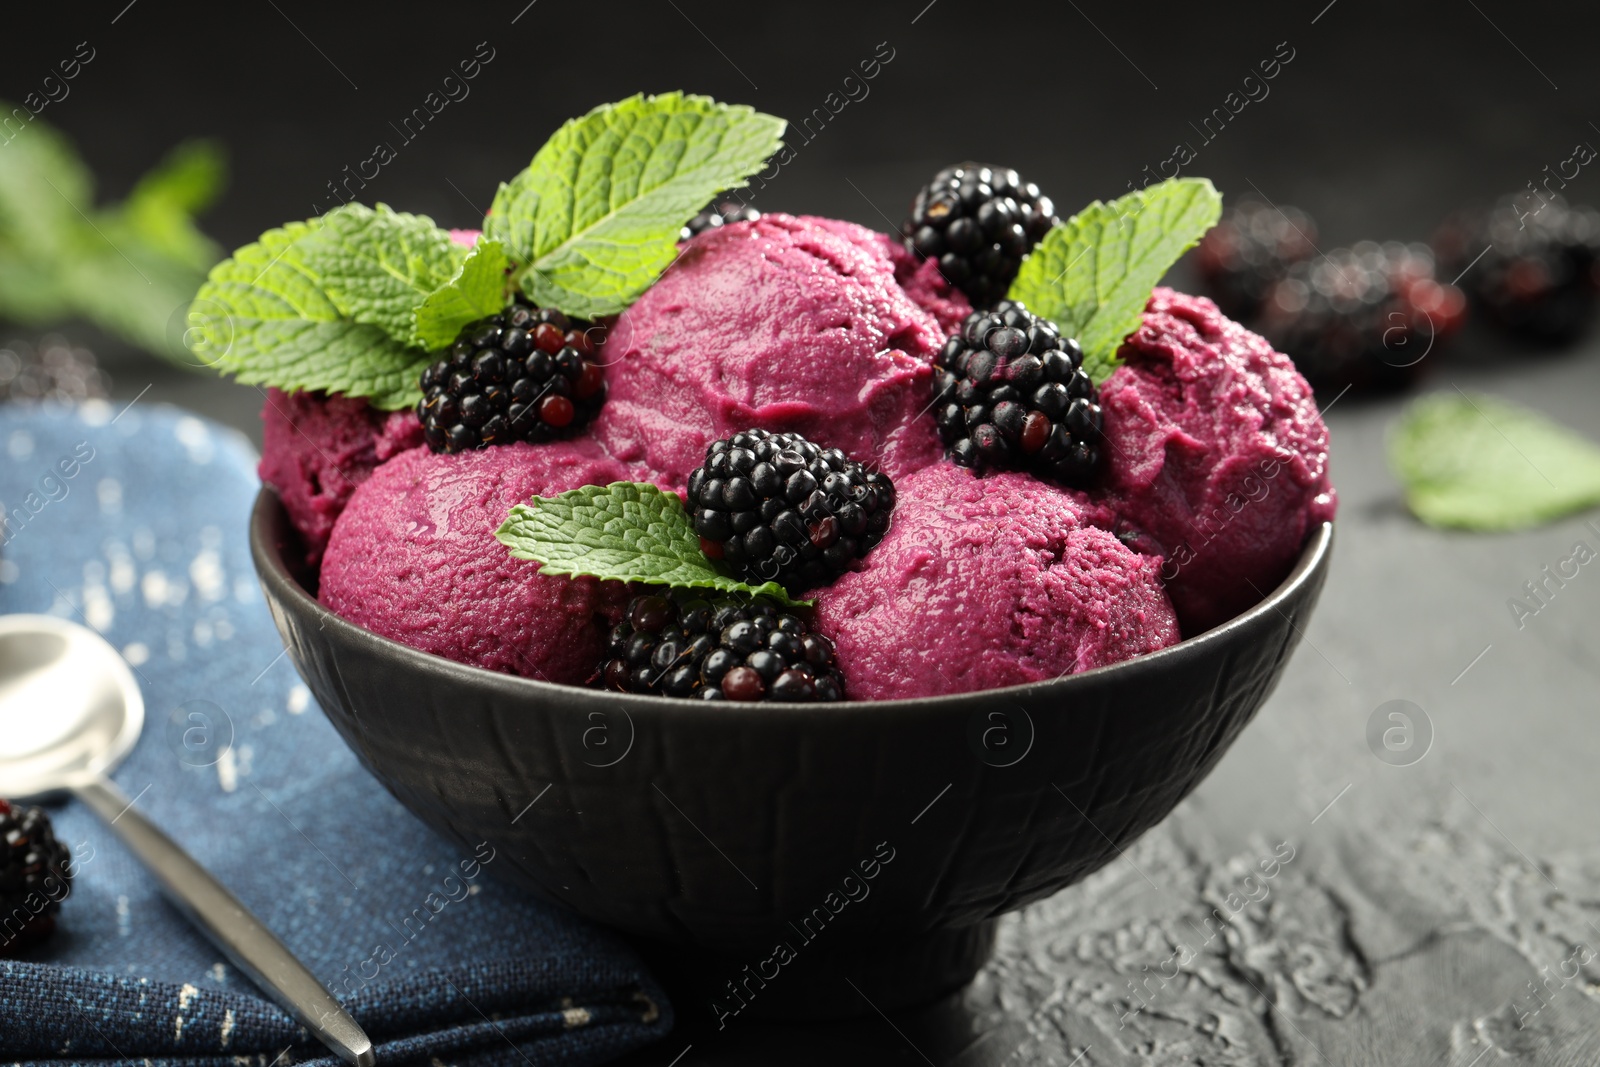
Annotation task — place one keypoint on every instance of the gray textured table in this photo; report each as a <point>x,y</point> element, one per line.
<point>1438,906</point>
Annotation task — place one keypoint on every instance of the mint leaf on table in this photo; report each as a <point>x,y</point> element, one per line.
<point>265,316</point>
<point>477,290</point>
<point>1092,274</point>
<point>596,216</point>
<point>625,531</point>
<point>1479,463</point>
<point>378,265</point>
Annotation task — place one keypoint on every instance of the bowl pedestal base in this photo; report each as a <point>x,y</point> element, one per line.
<point>817,981</point>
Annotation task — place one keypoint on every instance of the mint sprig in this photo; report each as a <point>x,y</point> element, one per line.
<point>626,532</point>
<point>269,316</point>
<point>1092,275</point>
<point>1478,463</point>
<point>477,290</point>
<point>352,302</point>
<point>596,216</point>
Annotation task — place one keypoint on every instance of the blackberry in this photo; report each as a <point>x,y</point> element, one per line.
<point>1363,317</point>
<point>1251,249</point>
<point>979,222</point>
<point>55,371</point>
<point>719,212</point>
<point>726,649</point>
<point>522,375</point>
<point>778,508</point>
<point>1010,391</point>
<point>35,877</point>
<point>1540,268</point>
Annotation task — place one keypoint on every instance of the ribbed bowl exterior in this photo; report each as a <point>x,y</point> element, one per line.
<point>728,827</point>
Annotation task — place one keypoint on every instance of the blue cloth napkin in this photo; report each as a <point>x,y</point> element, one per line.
<point>134,523</point>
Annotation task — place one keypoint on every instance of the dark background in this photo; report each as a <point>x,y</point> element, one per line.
<point>1386,119</point>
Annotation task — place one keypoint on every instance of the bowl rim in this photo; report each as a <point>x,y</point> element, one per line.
<point>272,570</point>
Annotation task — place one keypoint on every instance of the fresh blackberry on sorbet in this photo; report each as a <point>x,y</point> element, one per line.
<point>1011,392</point>
<point>724,649</point>
<point>35,876</point>
<point>1250,250</point>
<point>1365,317</point>
<point>1539,275</point>
<point>525,374</point>
<point>778,508</point>
<point>719,212</point>
<point>978,221</point>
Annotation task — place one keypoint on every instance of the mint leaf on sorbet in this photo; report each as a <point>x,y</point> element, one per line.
<point>353,301</point>
<point>477,290</point>
<point>267,316</point>
<point>1092,274</point>
<point>625,531</point>
<point>378,265</point>
<point>1479,463</point>
<point>596,216</point>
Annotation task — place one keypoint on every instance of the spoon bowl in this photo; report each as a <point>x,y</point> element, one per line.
<point>70,709</point>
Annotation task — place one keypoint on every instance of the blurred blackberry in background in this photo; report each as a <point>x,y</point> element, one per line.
<point>35,876</point>
<point>719,212</point>
<point>723,649</point>
<point>1249,251</point>
<point>978,221</point>
<point>1538,276</point>
<point>1363,317</point>
<point>55,371</point>
<point>522,375</point>
<point>1010,392</point>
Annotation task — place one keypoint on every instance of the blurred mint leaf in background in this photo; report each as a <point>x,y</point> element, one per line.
<point>162,206</point>
<point>1480,463</point>
<point>597,215</point>
<point>127,267</point>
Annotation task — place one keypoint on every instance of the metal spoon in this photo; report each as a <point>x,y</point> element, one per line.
<point>70,710</point>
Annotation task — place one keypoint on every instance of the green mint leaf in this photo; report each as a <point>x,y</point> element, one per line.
<point>128,267</point>
<point>45,189</point>
<point>378,265</point>
<point>625,531</point>
<point>1092,275</point>
<point>161,208</point>
<point>477,290</point>
<point>596,216</point>
<point>1479,463</point>
<point>129,287</point>
<point>28,294</point>
<point>265,316</point>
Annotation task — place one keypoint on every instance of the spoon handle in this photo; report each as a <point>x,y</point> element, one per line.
<point>230,925</point>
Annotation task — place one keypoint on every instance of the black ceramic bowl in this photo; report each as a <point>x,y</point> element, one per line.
<point>800,855</point>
